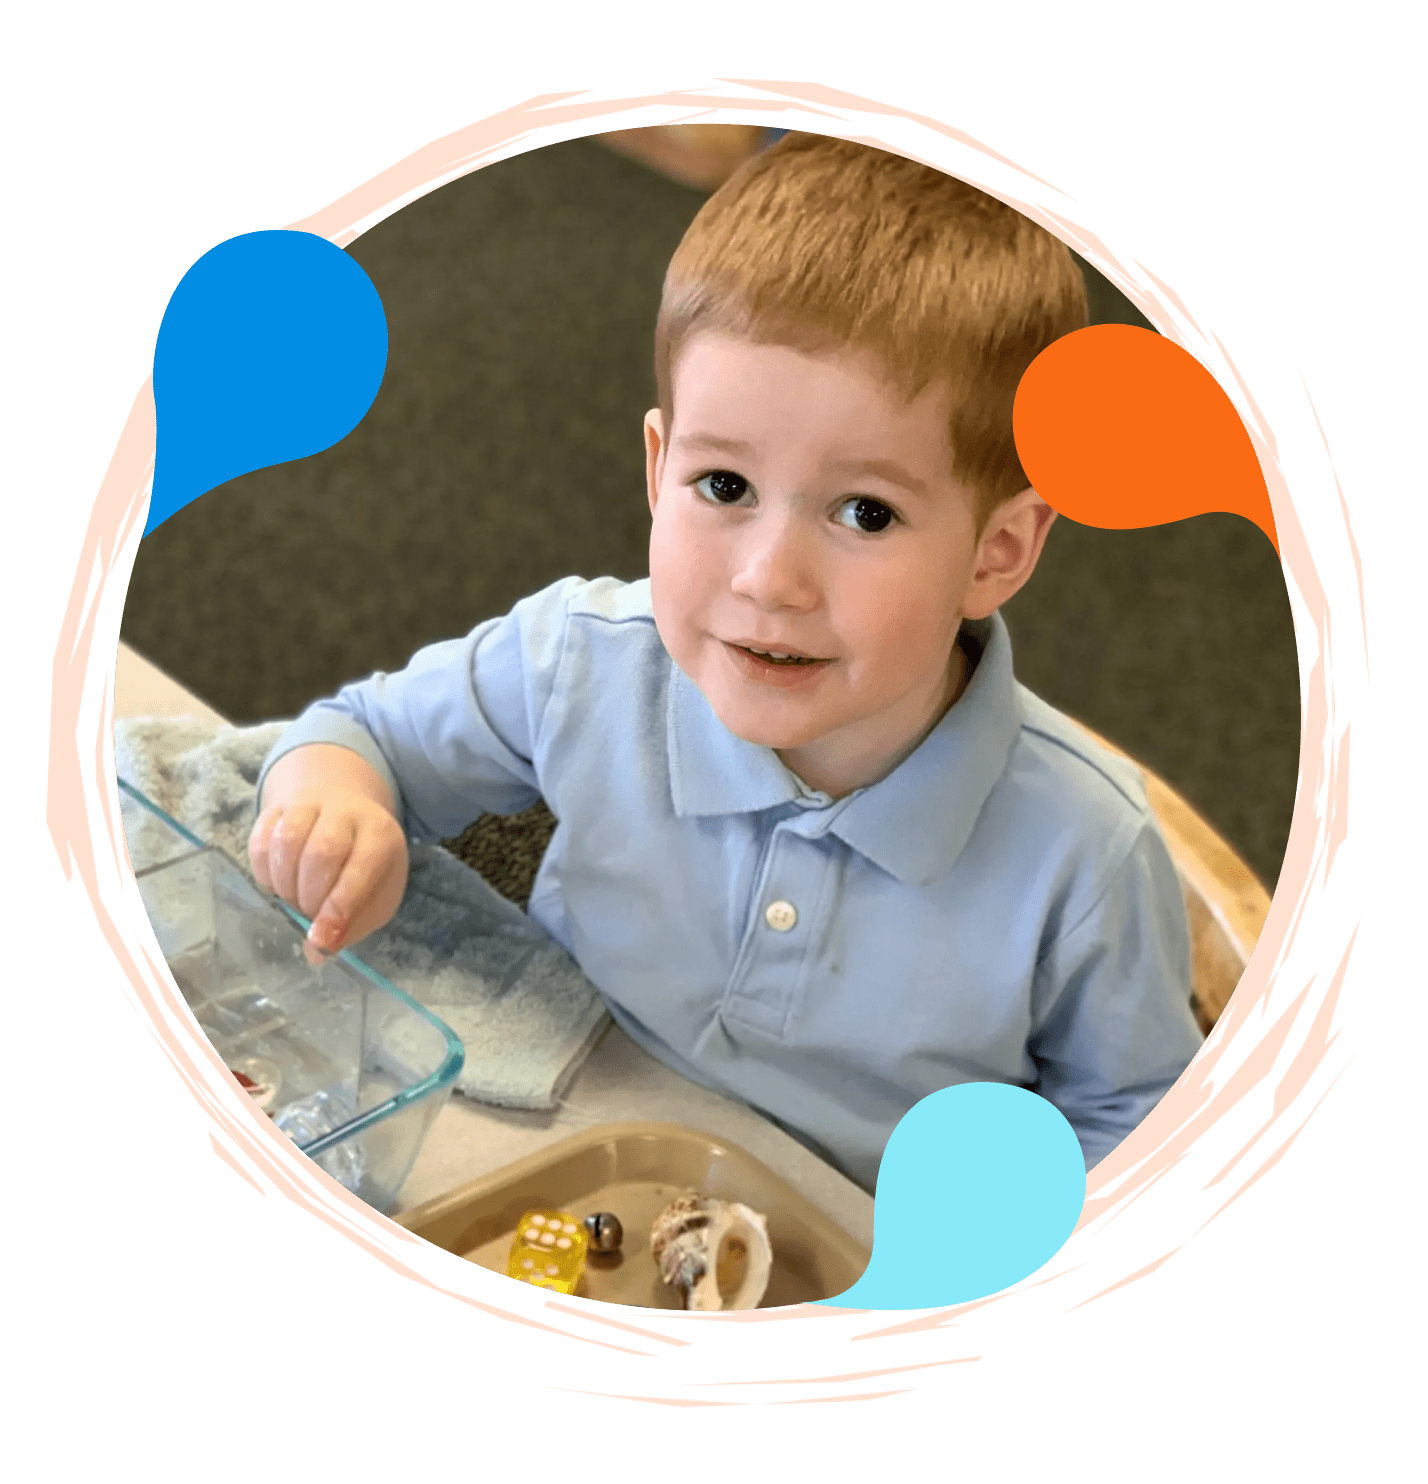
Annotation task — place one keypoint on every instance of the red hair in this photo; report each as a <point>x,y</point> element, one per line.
<point>825,245</point>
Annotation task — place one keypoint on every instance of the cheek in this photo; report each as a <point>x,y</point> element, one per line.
<point>904,620</point>
<point>678,570</point>
<point>667,559</point>
<point>681,548</point>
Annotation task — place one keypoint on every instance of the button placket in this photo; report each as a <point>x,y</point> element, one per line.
<point>771,962</point>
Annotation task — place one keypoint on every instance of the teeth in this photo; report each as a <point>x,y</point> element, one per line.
<point>782,659</point>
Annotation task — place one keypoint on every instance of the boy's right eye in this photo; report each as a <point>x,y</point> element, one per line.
<point>723,487</point>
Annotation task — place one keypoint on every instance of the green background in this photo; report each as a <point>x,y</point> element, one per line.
<point>168,1320</point>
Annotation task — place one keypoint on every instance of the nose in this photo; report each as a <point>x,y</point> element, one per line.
<point>775,566</point>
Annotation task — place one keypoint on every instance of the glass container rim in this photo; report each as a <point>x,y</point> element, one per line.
<point>444,1076</point>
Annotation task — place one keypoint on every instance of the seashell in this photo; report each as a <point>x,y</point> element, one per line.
<point>715,1252</point>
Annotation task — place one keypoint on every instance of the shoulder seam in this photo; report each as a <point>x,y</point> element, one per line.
<point>557,674</point>
<point>1141,806</point>
<point>585,611</point>
<point>614,619</point>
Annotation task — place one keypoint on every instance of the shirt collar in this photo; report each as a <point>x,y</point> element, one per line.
<point>916,821</point>
<point>711,770</point>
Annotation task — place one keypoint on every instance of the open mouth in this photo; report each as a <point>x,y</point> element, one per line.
<point>784,669</point>
<point>777,657</point>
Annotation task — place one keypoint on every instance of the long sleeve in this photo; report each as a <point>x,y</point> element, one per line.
<point>1116,1028</point>
<point>456,733</point>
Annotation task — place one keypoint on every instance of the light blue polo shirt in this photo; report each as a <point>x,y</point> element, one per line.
<point>1001,907</point>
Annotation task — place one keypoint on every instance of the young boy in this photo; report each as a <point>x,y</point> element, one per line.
<point>816,847</point>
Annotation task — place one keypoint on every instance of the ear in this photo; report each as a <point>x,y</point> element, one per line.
<point>1007,552</point>
<point>654,454</point>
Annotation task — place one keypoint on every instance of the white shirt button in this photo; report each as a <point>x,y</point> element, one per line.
<point>781,916</point>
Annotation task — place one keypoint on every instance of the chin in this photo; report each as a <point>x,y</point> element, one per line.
<point>751,725</point>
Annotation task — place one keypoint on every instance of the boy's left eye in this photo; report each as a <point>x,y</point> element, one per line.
<point>862,513</point>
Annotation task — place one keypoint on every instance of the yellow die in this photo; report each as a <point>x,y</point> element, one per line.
<point>549,1250</point>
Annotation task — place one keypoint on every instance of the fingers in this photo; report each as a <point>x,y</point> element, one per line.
<point>343,867</point>
<point>325,853</point>
<point>281,835</point>
<point>266,871</point>
<point>258,839</point>
<point>315,956</point>
<point>366,892</point>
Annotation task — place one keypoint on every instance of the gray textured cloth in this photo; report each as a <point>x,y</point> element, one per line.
<point>519,1002</point>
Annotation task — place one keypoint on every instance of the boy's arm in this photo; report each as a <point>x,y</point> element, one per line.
<point>421,753</point>
<point>1116,1028</point>
<point>456,734</point>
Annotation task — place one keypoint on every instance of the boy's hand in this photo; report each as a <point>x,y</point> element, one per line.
<point>328,843</point>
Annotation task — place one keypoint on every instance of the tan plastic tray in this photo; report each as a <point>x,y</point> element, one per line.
<point>635,1170</point>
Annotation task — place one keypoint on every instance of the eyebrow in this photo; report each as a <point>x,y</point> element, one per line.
<point>888,469</point>
<point>711,440</point>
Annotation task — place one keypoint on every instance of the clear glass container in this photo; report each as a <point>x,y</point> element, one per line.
<point>152,836</point>
<point>353,1070</point>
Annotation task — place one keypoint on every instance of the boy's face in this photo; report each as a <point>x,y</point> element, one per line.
<point>803,510</point>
